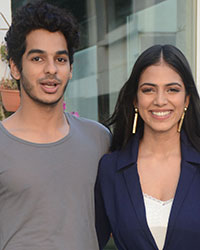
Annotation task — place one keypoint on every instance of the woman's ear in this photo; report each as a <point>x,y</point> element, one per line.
<point>187,100</point>
<point>135,103</point>
<point>14,70</point>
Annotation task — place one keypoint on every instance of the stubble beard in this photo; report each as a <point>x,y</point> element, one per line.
<point>25,84</point>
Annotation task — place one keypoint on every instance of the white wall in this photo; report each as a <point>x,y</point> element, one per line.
<point>5,9</point>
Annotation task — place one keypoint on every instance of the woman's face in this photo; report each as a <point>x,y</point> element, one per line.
<point>161,98</point>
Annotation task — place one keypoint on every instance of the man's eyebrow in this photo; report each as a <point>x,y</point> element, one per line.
<point>61,52</point>
<point>32,51</point>
<point>39,51</point>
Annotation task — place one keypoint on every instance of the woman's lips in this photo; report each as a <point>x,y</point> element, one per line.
<point>161,114</point>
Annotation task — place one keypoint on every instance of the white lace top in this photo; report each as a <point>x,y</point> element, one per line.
<point>157,214</point>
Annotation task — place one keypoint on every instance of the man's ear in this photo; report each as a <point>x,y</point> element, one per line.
<point>71,70</point>
<point>14,70</point>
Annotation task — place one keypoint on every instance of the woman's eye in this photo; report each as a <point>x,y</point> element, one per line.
<point>147,90</point>
<point>174,90</point>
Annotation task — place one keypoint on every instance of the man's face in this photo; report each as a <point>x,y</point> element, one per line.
<point>45,67</point>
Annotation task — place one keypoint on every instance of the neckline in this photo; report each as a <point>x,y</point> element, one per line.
<point>13,137</point>
<point>149,197</point>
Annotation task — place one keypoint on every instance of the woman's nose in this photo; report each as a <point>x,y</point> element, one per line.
<point>160,99</point>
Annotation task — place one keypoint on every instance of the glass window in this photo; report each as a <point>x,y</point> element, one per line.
<point>113,34</point>
<point>119,30</point>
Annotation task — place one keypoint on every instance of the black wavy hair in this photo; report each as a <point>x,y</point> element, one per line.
<point>40,15</point>
<point>122,119</point>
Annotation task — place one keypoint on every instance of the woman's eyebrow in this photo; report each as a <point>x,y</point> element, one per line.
<point>154,85</point>
<point>174,83</point>
<point>148,84</point>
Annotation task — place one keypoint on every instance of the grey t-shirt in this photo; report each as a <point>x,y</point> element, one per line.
<point>46,190</point>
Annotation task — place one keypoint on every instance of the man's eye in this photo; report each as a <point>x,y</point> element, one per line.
<point>37,59</point>
<point>61,59</point>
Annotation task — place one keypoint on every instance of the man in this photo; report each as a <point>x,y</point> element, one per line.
<point>48,159</point>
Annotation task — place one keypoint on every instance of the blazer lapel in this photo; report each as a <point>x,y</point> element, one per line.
<point>127,162</point>
<point>185,181</point>
<point>190,157</point>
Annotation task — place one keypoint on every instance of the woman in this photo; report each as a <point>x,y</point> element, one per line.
<point>148,186</point>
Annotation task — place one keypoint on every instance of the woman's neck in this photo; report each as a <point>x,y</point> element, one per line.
<point>160,143</point>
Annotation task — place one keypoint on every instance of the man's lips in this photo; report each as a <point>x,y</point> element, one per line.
<point>49,86</point>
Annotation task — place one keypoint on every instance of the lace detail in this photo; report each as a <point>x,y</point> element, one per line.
<point>163,203</point>
<point>157,215</point>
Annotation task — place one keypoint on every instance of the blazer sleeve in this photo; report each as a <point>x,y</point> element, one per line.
<point>103,228</point>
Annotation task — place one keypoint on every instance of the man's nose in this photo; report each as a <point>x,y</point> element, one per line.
<point>50,67</point>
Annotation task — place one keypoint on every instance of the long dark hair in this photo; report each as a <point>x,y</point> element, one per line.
<point>122,118</point>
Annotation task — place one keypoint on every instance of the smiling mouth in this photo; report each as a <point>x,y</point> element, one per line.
<point>161,113</point>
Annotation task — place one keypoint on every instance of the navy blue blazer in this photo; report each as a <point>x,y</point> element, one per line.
<point>120,206</point>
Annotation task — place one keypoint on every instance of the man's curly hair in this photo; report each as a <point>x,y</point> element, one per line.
<point>40,15</point>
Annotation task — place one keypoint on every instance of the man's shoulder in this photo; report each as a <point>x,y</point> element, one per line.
<point>90,132</point>
<point>87,124</point>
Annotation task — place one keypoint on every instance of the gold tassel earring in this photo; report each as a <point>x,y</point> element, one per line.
<point>181,120</point>
<point>135,121</point>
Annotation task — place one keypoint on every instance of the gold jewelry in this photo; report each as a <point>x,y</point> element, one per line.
<point>135,121</point>
<point>181,120</point>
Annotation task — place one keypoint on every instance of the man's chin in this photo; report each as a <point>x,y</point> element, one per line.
<point>47,102</point>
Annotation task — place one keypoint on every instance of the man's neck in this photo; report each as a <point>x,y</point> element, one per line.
<point>39,125</point>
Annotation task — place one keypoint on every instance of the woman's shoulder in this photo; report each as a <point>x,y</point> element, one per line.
<point>189,152</point>
<point>108,162</point>
<point>109,158</point>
